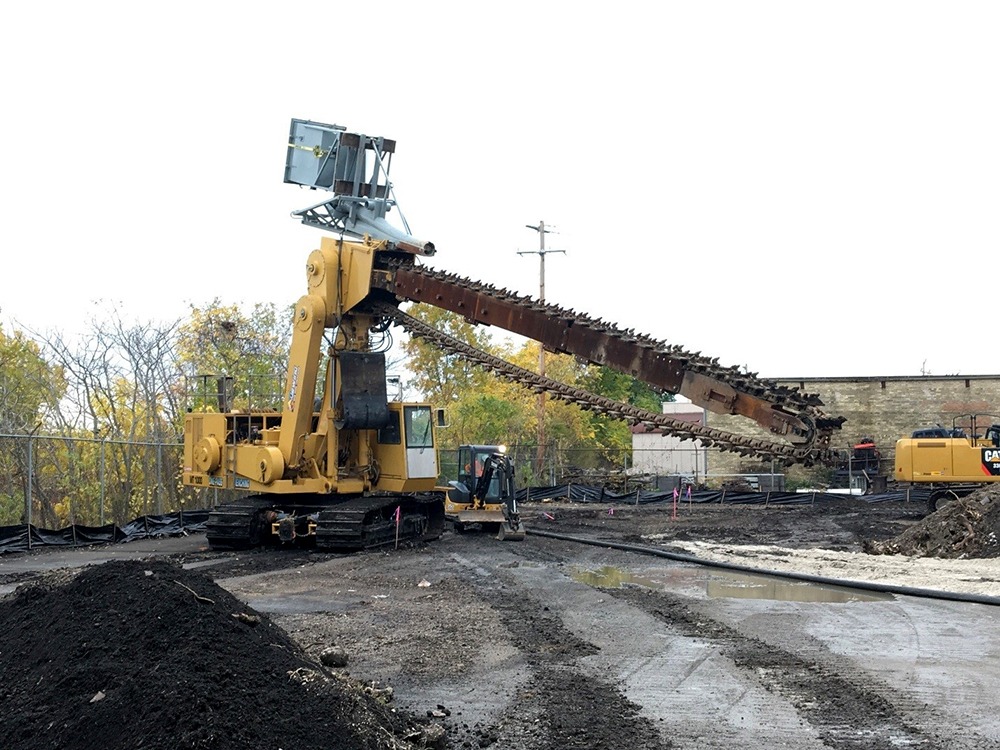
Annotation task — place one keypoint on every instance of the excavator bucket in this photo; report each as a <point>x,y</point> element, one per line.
<point>509,534</point>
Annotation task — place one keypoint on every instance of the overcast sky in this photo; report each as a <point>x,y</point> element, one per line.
<point>803,188</point>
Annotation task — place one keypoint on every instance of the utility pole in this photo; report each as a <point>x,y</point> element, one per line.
<point>541,253</point>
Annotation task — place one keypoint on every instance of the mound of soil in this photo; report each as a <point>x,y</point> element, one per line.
<point>965,528</point>
<point>150,655</point>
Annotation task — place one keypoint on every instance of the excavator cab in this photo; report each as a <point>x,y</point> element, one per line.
<point>993,435</point>
<point>471,466</point>
<point>483,496</point>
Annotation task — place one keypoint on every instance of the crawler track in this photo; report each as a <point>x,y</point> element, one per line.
<point>368,522</point>
<point>341,526</point>
<point>236,525</point>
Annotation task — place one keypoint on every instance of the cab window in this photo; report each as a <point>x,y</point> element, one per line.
<point>418,427</point>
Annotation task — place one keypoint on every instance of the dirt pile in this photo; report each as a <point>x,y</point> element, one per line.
<point>965,528</point>
<point>150,655</point>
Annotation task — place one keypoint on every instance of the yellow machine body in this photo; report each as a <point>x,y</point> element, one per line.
<point>334,432</point>
<point>923,460</point>
<point>950,463</point>
<point>217,455</point>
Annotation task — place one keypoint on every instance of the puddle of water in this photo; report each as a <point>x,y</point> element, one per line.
<point>748,586</point>
<point>739,586</point>
<point>612,578</point>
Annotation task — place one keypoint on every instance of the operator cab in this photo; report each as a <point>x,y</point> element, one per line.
<point>471,461</point>
<point>938,432</point>
<point>993,435</point>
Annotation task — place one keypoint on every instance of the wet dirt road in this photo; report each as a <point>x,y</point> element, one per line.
<point>709,659</point>
<point>543,644</point>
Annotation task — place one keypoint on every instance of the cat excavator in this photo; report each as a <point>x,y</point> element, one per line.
<point>332,462</point>
<point>951,462</point>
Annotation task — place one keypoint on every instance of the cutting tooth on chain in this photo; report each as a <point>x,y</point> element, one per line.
<point>781,397</point>
<point>652,421</point>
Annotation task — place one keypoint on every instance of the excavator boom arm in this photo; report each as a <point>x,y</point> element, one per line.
<point>327,157</point>
<point>785,412</point>
<point>632,415</point>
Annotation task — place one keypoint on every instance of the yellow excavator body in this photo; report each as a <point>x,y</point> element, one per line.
<point>952,462</point>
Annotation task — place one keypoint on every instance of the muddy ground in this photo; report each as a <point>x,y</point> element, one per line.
<point>468,642</point>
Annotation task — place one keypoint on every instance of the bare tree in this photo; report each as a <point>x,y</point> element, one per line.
<point>122,394</point>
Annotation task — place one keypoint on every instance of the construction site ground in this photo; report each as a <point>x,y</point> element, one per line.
<point>469,642</point>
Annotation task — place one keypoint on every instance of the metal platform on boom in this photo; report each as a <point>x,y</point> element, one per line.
<point>355,168</point>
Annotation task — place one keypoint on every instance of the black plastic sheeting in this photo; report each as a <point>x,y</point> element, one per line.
<point>22,538</point>
<point>586,494</point>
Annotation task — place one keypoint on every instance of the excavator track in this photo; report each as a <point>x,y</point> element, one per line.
<point>370,522</point>
<point>652,421</point>
<point>345,525</point>
<point>787,412</point>
<point>236,525</point>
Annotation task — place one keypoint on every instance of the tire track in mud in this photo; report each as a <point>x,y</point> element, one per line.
<point>560,707</point>
<point>849,712</point>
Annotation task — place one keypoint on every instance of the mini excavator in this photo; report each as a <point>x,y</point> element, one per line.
<point>333,463</point>
<point>484,496</point>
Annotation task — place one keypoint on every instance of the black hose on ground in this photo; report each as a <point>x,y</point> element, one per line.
<point>843,583</point>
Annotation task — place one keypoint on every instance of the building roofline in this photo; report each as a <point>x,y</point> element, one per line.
<point>881,378</point>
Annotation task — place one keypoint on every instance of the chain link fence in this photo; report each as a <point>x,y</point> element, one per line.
<point>52,481</point>
<point>93,482</point>
<point>620,470</point>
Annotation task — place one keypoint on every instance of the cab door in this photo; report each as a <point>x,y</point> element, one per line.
<point>418,430</point>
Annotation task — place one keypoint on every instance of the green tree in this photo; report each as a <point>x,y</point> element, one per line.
<point>565,424</point>
<point>490,418</point>
<point>30,391</point>
<point>613,436</point>
<point>445,379</point>
<point>30,387</point>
